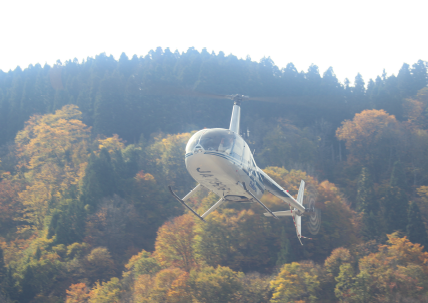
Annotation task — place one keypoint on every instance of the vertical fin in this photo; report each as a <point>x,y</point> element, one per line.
<point>301,192</point>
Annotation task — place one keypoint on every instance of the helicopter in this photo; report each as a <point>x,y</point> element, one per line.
<point>221,161</point>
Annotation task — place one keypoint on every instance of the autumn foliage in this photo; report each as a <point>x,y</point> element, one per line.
<point>85,216</point>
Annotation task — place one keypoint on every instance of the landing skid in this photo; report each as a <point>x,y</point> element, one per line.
<point>184,203</point>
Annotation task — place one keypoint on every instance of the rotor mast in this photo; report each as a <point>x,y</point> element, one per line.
<point>236,112</point>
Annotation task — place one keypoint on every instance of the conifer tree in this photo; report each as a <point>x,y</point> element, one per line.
<point>416,230</point>
<point>396,201</point>
<point>398,176</point>
<point>99,180</point>
<point>366,200</point>
<point>285,255</point>
<point>372,228</point>
<point>9,284</point>
<point>3,269</point>
<point>368,204</point>
<point>359,85</point>
<point>27,285</point>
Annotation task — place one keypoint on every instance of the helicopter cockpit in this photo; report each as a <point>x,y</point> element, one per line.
<point>218,140</point>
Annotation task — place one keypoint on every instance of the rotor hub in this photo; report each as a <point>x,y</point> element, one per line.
<point>238,99</point>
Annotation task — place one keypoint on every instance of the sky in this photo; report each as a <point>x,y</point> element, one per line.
<point>351,36</point>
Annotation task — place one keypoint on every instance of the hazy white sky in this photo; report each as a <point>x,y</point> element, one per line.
<point>351,36</point>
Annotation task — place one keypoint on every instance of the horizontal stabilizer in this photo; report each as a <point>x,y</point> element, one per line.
<point>280,213</point>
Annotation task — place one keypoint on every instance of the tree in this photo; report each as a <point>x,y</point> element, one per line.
<point>416,230</point>
<point>99,180</point>
<point>345,283</point>
<point>10,206</point>
<point>171,285</point>
<point>165,159</point>
<point>371,137</point>
<point>3,268</point>
<point>112,225</point>
<point>285,255</point>
<point>174,243</point>
<point>51,151</point>
<point>366,199</point>
<point>338,257</point>
<point>296,281</point>
<point>143,264</point>
<point>395,201</point>
<point>98,265</point>
<point>368,204</point>
<point>108,292</point>
<point>398,268</point>
<point>77,293</point>
<point>67,222</point>
<point>237,239</point>
<point>215,285</point>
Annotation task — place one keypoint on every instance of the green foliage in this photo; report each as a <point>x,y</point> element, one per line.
<point>77,201</point>
<point>143,264</point>
<point>395,204</point>
<point>285,255</point>
<point>108,292</point>
<point>296,281</point>
<point>99,180</point>
<point>215,285</point>
<point>416,231</point>
<point>366,197</point>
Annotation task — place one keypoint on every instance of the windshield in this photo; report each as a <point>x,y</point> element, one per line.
<point>219,140</point>
<point>193,141</point>
<point>216,139</point>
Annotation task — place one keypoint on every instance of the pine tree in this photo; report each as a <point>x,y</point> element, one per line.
<point>3,269</point>
<point>398,176</point>
<point>285,255</point>
<point>9,284</point>
<point>416,230</point>
<point>366,200</point>
<point>359,85</point>
<point>419,75</point>
<point>396,202</point>
<point>27,284</point>
<point>38,254</point>
<point>99,180</point>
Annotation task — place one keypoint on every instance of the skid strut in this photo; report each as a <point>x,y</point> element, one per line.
<point>184,203</point>
<point>260,202</point>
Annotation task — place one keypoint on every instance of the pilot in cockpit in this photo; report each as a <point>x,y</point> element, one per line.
<point>225,145</point>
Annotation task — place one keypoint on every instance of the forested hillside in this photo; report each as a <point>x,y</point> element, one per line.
<point>87,150</point>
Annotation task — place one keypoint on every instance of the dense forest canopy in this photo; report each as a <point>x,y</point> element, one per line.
<point>87,150</point>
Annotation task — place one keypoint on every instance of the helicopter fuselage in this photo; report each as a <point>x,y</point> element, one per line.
<point>221,161</point>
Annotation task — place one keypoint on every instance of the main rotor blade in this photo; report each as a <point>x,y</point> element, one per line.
<point>313,101</point>
<point>176,91</point>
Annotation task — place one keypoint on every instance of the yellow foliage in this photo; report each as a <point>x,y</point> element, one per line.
<point>362,130</point>
<point>77,293</point>
<point>169,285</point>
<point>415,109</point>
<point>174,243</point>
<point>108,292</point>
<point>369,135</point>
<point>111,144</point>
<point>52,151</point>
<point>399,266</point>
<point>296,282</point>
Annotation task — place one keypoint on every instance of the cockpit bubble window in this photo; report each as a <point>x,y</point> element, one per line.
<point>238,148</point>
<point>220,140</point>
<point>193,141</point>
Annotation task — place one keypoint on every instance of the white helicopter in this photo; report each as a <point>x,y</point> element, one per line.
<point>220,160</point>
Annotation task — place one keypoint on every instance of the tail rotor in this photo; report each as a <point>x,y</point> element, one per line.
<point>314,214</point>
